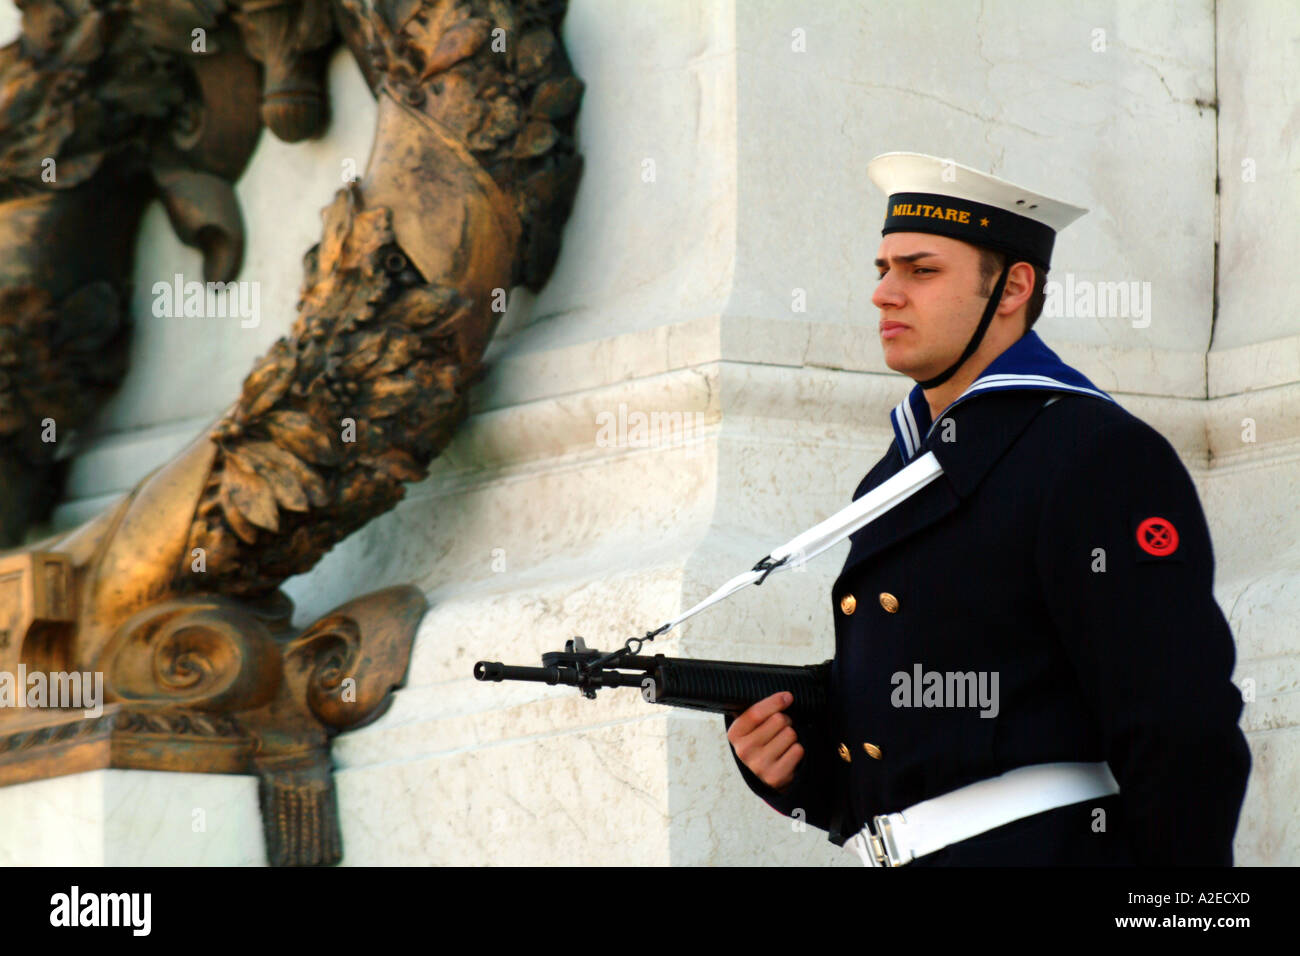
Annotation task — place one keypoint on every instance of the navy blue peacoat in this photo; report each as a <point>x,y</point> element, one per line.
<point>1063,557</point>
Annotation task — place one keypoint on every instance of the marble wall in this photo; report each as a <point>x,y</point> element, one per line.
<point>718,264</point>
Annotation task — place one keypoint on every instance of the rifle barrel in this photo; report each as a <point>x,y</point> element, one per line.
<point>497,671</point>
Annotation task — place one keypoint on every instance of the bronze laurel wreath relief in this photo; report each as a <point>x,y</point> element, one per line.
<point>172,593</point>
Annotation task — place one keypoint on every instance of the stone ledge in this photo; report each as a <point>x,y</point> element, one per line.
<point>564,429</point>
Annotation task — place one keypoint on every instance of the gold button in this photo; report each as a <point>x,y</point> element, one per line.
<point>872,751</point>
<point>889,602</point>
<point>844,753</point>
<point>848,604</point>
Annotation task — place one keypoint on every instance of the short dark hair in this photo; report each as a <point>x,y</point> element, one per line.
<point>991,263</point>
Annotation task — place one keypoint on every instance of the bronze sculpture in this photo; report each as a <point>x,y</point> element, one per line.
<point>172,593</point>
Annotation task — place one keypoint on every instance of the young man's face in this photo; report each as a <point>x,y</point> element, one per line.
<point>929,301</point>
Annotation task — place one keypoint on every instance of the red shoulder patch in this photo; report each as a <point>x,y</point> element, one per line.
<point>1157,536</point>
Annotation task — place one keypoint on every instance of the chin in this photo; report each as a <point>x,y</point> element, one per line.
<point>912,371</point>
<point>895,360</point>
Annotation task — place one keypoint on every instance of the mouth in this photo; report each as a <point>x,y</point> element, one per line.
<point>889,330</point>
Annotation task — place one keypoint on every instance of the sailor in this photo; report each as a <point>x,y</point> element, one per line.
<point>1030,666</point>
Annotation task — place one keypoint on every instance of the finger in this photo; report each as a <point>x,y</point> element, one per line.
<point>770,729</point>
<point>750,747</point>
<point>757,713</point>
<point>781,741</point>
<point>764,756</point>
<point>782,772</point>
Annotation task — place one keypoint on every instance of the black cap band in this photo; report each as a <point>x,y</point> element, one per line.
<point>973,222</point>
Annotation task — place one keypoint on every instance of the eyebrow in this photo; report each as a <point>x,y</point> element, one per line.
<point>881,263</point>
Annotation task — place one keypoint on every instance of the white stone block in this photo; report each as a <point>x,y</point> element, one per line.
<point>132,818</point>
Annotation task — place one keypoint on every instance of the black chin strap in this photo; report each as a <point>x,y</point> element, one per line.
<point>978,337</point>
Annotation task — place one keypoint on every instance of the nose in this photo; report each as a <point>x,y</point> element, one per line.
<point>888,294</point>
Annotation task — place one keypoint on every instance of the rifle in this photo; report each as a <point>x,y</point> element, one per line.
<point>725,687</point>
<point>719,687</point>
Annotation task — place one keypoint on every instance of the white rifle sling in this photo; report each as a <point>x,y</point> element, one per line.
<point>807,545</point>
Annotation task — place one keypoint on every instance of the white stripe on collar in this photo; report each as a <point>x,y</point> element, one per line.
<point>901,431</point>
<point>1026,364</point>
<point>908,433</point>
<point>988,382</point>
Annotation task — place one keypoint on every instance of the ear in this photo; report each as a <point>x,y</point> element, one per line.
<point>1019,287</point>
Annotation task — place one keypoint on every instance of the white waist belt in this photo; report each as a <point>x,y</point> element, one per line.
<point>984,805</point>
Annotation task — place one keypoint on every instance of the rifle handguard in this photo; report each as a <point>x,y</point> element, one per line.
<point>730,687</point>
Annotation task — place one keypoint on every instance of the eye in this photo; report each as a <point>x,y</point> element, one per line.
<point>923,269</point>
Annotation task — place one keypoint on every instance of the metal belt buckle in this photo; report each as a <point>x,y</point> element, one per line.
<point>881,841</point>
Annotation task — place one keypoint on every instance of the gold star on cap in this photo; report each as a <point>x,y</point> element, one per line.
<point>984,222</point>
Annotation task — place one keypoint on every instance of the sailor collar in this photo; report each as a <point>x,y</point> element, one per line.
<point>1027,365</point>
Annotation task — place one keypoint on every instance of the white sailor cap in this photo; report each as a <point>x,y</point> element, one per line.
<point>939,196</point>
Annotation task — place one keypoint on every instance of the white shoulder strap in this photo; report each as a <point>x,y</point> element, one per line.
<point>807,545</point>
